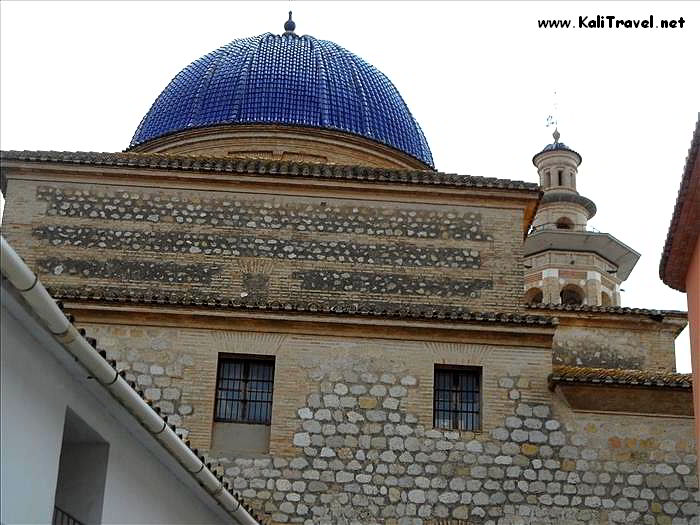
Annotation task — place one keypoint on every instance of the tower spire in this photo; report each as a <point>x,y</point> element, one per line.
<point>553,118</point>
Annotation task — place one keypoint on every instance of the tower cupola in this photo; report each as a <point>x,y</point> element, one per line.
<point>557,165</point>
<point>561,207</point>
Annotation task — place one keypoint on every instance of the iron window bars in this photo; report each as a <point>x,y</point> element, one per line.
<point>457,398</point>
<point>244,390</point>
<point>61,517</point>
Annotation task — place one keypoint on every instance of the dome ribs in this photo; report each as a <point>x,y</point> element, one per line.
<point>288,80</point>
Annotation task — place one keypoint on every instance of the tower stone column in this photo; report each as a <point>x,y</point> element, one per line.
<point>593,288</point>
<point>550,286</point>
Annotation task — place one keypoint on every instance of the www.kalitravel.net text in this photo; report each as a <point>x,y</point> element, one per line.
<point>612,22</point>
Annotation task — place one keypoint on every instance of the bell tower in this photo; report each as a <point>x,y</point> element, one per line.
<point>564,261</point>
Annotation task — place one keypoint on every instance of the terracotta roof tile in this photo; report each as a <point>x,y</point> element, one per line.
<point>621,310</point>
<point>389,310</point>
<point>266,167</point>
<point>685,222</point>
<point>614,376</point>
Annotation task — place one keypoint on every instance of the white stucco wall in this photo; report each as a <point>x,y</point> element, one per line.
<point>36,390</point>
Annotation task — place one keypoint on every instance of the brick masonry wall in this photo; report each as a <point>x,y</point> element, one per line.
<point>352,439</point>
<point>264,247</point>
<point>643,349</point>
<point>284,143</point>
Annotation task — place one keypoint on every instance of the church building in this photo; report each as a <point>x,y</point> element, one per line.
<point>347,335</point>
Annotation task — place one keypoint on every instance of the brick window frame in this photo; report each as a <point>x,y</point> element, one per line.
<point>457,398</point>
<point>244,388</point>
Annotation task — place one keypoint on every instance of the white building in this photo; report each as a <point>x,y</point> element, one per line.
<point>77,449</point>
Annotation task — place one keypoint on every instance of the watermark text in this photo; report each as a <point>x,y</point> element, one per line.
<point>612,22</point>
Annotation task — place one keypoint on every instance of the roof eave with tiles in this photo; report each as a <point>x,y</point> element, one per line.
<point>617,310</point>
<point>618,377</point>
<point>262,167</point>
<point>333,309</point>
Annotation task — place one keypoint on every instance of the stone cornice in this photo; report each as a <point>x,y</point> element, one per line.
<point>552,197</point>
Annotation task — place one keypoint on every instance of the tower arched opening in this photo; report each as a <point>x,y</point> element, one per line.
<point>533,296</point>
<point>572,295</point>
<point>564,223</point>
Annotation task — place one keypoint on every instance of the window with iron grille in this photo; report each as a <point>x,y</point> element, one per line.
<point>457,398</point>
<point>244,390</point>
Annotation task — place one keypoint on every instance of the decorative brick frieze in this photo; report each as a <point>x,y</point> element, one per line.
<point>255,286</point>
<point>262,214</point>
<point>127,270</point>
<point>453,256</point>
<point>390,283</point>
<point>397,254</point>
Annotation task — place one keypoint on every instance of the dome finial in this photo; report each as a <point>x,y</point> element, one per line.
<point>556,135</point>
<point>289,25</point>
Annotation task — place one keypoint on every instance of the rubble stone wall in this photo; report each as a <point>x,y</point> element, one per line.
<point>352,437</point>
<point>649,347</point>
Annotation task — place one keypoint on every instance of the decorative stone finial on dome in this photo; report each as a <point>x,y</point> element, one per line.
<point>289,25</point>
<point>556,135</point>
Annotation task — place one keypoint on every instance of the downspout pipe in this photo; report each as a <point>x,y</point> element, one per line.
<point>43,305</point>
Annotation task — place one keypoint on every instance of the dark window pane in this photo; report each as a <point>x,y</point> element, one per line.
<point>244,390</point>
<point>456,399</point>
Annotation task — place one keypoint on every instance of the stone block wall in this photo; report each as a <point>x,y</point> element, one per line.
<point>267,247</point>
<point>352,437</point>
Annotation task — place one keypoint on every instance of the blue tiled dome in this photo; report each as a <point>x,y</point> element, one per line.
<point>555,146</point>
<point>286,79</point>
